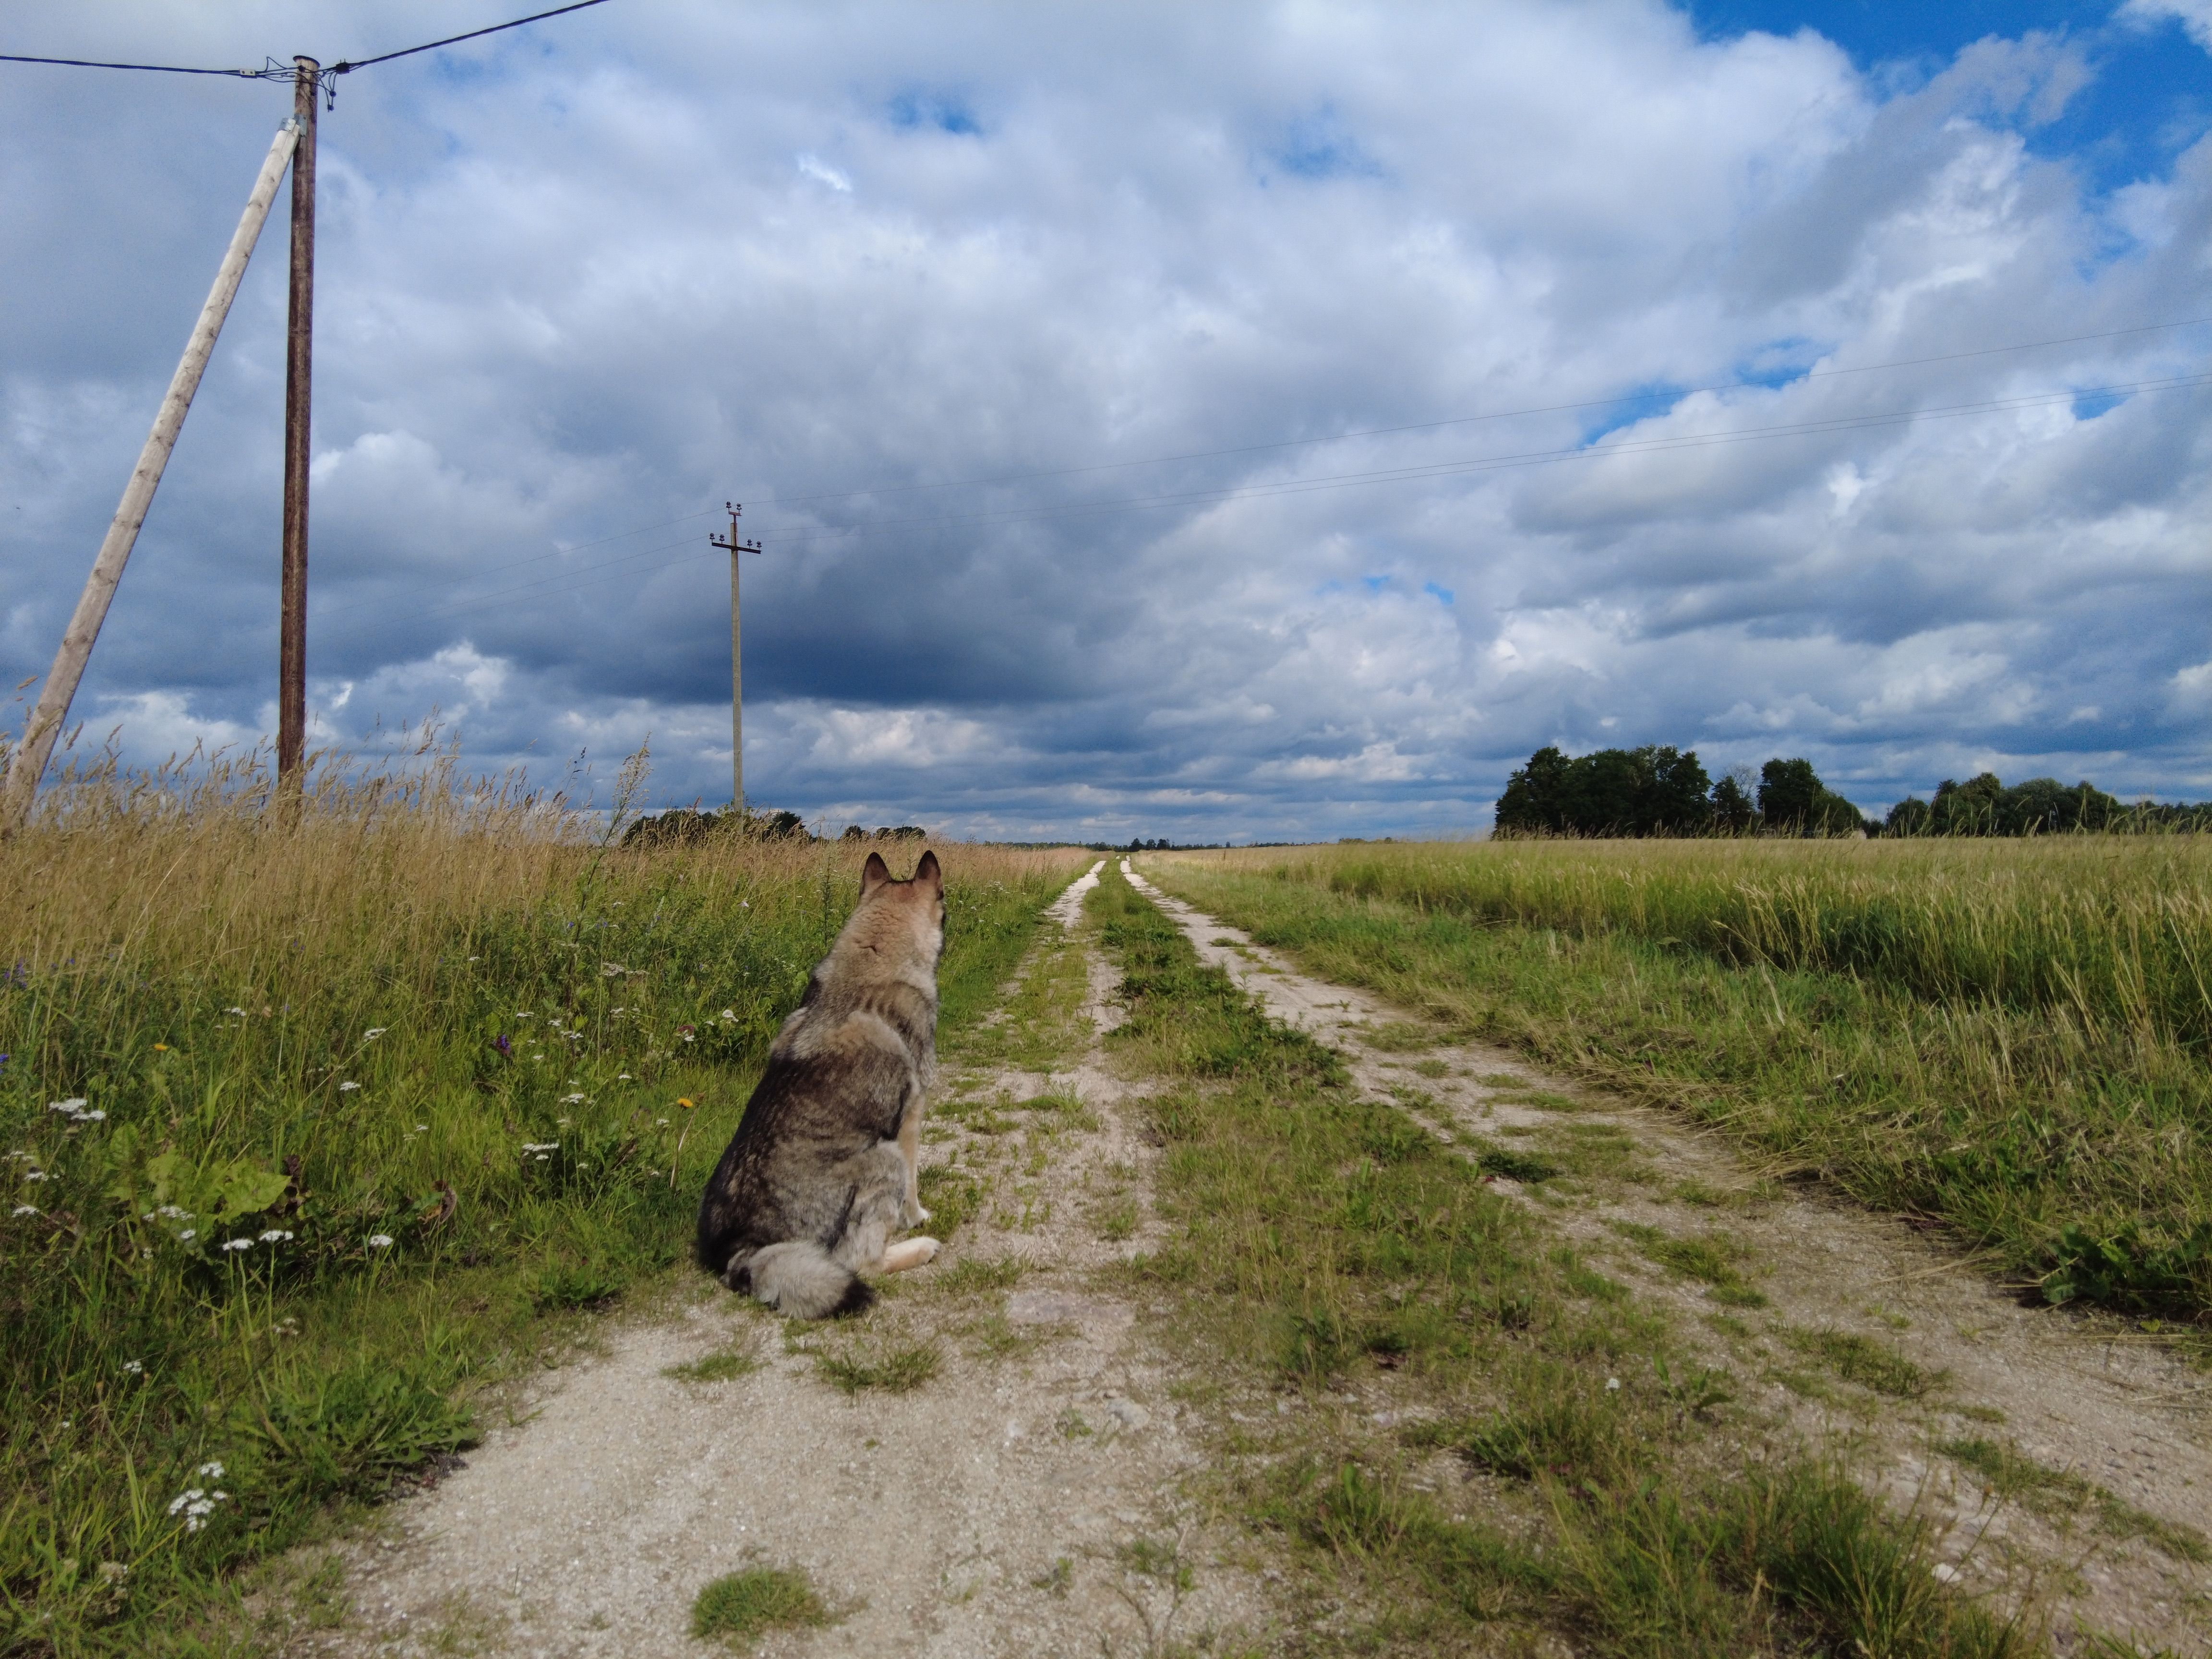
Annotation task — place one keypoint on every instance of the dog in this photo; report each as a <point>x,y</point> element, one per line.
<point>825,1164</point>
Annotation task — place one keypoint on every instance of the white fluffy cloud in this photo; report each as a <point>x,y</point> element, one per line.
<point>580,284</point>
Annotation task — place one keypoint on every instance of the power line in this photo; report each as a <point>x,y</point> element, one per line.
<point>1465,420</point>
<point>276,72</point>
<point>154,69</point>
<point>345,68</point>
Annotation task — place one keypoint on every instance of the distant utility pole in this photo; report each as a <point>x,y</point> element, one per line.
<point>28,763</point>
<point>737,659</point>
<point>298,378</point>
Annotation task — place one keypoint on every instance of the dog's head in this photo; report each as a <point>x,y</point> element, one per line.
<point>915,905</point>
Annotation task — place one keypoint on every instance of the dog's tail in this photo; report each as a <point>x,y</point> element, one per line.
<point>799,1280</point>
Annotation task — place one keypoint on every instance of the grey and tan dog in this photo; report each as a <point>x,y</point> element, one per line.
<point>822,1168</point>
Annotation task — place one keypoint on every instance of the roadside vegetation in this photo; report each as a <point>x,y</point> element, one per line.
<point>1597,1484</point>
<point>2009,1038</point>
<point>318,1124</point>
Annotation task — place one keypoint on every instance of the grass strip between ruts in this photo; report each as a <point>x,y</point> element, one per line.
<point>1318,1235</point>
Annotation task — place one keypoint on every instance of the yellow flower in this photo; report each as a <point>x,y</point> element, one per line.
<point>687,1104</point>
<point>160,1048</point>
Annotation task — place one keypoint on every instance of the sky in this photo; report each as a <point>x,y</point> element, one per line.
<point>1229,422</point>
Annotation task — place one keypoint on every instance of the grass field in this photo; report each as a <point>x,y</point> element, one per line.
<point>313,1132</point>
<point>1318,1236</point>
<point>2008,1036</point>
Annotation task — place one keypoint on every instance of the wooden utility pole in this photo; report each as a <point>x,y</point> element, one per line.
<point>28,763</point>
<point>299,378</point>
<point>737,661</point>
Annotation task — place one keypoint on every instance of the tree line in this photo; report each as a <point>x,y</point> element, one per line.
<point>1660,790</point>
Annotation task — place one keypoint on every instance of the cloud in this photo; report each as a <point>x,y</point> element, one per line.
<point>2194,16</point>
<point>1042,429</point>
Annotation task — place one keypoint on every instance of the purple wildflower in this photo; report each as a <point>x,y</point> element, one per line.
<point>501,1043</point>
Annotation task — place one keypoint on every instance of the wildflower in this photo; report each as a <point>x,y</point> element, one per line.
<point>541,1146</point>
<point>373,1032</point>
<point>745,904</point>
<point>240,1012</point>
<point>379,1241</point>
<point>348,1086</point>
<point>624,1076</point>
<point>660,1122</point>
<point>171,1211</point>
<point>522,1013</point>
<point>188,1235</point>
<point>27,1209</point>
<point>685,1031</point>
<point>612,970</point>
<point>570,1100</point>
<point>476,959</point>
<point>1612,1385</point>
<point>501,1043</point>
<point>729,1013</point>
<point>134,1368</point>
<point>276,1235</point>
<point>72,1106</point>
<point>35,1175</point>
<point>422,1129</point>
<point>687,1102</point>
<point>160,1048</point>
<point>541,1157</point>
<point>213,1471</point>
<point>238,1244</point>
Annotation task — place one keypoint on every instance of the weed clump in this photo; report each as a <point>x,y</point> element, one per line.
<point>738,1606</point>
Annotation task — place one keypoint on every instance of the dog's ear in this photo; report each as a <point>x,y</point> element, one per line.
<point>927,874</point>
<point>873,874</point>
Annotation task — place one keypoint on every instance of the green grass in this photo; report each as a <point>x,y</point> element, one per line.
<point>723,1365</point>
<point>2015,1038</point>
<point>1870,1363</point>
<point>2061,1494</point>
<point>740,1607</point>
<point>1317,1238</point>
<point>895,1368</point>
<point>1712,1259</point>
<point>453,1072</point>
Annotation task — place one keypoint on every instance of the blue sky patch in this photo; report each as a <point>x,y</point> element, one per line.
<point>1443,595</point>
<point>929,110</point>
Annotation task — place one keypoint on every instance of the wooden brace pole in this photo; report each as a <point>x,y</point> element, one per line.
<point>28,763</point>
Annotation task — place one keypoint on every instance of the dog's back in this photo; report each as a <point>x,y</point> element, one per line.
<point>813,1181</point>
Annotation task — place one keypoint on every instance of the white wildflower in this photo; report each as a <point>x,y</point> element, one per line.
<point>1612,1385</point>
<point>476,959</point>
<point>571,1100</point>
<point>373,1032</point>
<point>134,1368</point>
<point>660,1122</point>
<point>212,1471</point>
<point>379,1241</point>
<point>173,1212</point>
<point>541,1157</point>
<point>624,1076</point>
<point>522,1013</point>
<point>35,1175</point>
<point>190,1495</point>
<point>728,1013</point>
<point>238,1244</point>
<point>188,1235</point>
<point>95,1115</point>
<point>276,1235</point>
<point>348,1086</point>
<point>72,1107</point>
<point>240,1012</point>
<point>422,1129</point>
<point>541,1146</point>
<point>27,1209</point>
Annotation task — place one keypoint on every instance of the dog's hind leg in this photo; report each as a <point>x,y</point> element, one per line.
<point>911,1214</point>
<point>910,1253</point>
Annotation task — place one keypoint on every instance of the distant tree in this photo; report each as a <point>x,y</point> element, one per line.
<point>1984,807</point>
<point>1654,790</point>
<point>1533,803</point>
<point>853,832</point>
<point>1734,810</point>
<point>1910,816</point>
<point>1793,801</point>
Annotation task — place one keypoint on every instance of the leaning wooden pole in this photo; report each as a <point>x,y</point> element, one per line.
<point>299,405</point>
<point>28,763</point>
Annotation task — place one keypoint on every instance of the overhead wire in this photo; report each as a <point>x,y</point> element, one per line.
<point>344,67</point>
<point>151,69</point>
